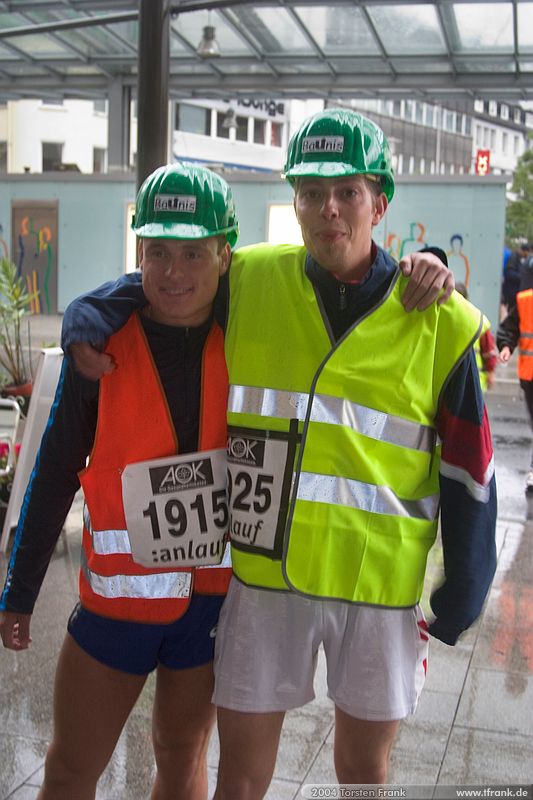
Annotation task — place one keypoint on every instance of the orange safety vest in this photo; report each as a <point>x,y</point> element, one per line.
<point>524,302</point>
<point>135,424</point>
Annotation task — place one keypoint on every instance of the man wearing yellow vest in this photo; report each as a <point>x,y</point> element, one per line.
<point>339,402</point>
<point>152,577</point>
<point>517,329</point>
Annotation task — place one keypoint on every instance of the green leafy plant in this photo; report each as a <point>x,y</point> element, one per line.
<point>14,304</point>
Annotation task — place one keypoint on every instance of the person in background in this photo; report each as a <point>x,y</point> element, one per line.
<point>139,612</point>
<point>485,347</point>
<point>516,330</point>
<point>512,275</point>
<point>337,400</point>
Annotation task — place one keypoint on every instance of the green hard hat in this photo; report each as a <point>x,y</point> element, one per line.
<point>178,201</point>
<point>338,142</point>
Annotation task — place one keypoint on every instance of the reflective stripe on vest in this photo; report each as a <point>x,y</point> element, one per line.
<point>334,411</point>
<point>364,496</point>
<point>156,586</point>
<point>107,542</point>
<point>524,303</point>
<point>363,502</point>
<point>111,583</point>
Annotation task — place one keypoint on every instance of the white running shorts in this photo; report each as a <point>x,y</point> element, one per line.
<point>267,644</point>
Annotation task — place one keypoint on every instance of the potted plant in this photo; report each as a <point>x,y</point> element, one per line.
<point>14,304</point>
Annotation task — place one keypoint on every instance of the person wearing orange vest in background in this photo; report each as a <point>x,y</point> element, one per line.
<point>155,562</point>
<point>517,329</point>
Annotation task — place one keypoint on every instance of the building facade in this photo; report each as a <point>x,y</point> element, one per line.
<point>426,138</point>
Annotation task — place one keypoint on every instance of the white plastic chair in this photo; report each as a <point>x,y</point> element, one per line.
<point>9,424</point>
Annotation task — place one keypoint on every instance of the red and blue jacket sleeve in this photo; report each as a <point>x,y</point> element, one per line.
<point>468,504</point>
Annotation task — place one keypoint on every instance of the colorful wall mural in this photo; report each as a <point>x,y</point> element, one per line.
<point>416,239</point>
<point>34,229</point>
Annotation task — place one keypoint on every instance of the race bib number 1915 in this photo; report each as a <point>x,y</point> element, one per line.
<point>176,509</point>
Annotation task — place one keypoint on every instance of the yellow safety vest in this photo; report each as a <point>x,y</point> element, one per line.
<point>332,448</point>
<point>483,376</point>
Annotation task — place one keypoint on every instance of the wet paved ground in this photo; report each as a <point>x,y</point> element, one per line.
<point>474,723</point>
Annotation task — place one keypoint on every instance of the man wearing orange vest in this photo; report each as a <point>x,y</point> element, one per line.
<point>154,567</point>
<point>517,329</point>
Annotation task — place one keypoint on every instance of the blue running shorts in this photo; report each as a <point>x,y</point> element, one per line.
<point>138,647</point>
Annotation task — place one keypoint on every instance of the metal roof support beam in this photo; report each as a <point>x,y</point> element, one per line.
<point>118,126</point>
<point>152,92</point>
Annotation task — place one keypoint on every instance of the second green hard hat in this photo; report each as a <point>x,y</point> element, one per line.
<point>339,142</point>
<point>179,201</point>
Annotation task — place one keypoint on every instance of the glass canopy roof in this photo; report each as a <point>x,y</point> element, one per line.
<point>276,48</point>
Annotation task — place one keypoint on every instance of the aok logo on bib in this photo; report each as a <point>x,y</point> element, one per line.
<point>180,476</point>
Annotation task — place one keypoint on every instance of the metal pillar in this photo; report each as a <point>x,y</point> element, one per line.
<point>118,132</point>
<point>152,97</point>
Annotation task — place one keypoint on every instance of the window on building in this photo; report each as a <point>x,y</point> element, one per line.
<point>419,113</point>
<point>468,126</point>
<point>396,108</point>
<point>430,116</point>
<point>486,137</point>
<point>459,123</point>
<point>222,129</point>
<point>411,164</point>
<point>400,163</point>
<point>432,168</point>
<point>259,131</point>
<point>3,156</point>
<point>504,111</point>
<point>241,133</point>
<point>449,120</point>
<point>52,155</point>
<point>100,106</point>
<point>479,136</point>
<point>517,116</point>
<point>493,140</point>
<point>99,159</point>
<point>493,108</point>
<point>422,167</point>
<point>276,134</point>
<point>505,140</point>
<point>409,109</point>
<point>478,106</point>
<point>51,101</point>
<point>516,147</point>
<point>193,119</point>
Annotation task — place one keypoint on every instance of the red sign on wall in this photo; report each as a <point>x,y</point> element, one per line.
<point>483,162</point>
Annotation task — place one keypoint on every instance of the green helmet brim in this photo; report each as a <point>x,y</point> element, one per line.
<point>168,230</point>
<point>336,169</point>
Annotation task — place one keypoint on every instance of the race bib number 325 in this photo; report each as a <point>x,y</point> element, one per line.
<point>259,476</point>
<point>176,509</point>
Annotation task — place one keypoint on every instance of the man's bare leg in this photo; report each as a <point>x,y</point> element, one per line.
<point>362,748</point>
<point>248,749</point>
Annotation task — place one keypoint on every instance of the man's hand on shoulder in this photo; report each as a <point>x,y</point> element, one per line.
<point>90,362</point>
<point>429,281</point>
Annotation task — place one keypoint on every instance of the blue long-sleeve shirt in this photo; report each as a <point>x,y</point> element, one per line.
<point>467,483</point>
